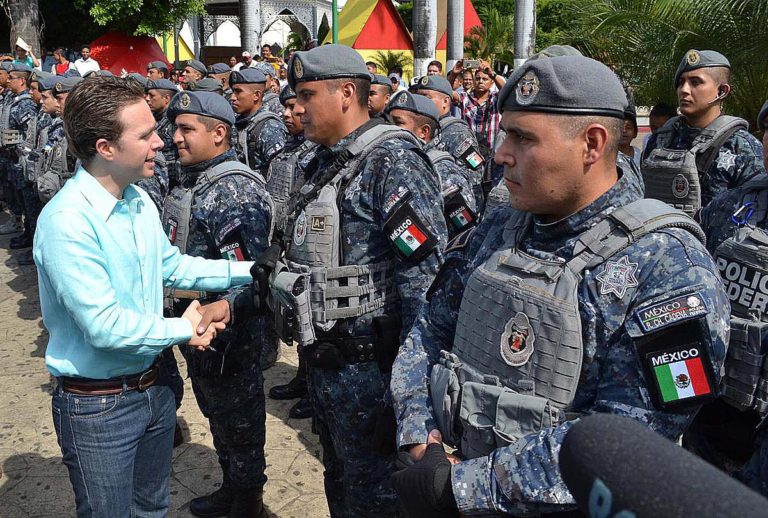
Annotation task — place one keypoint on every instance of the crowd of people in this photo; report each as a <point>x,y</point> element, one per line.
<point>465,260</point>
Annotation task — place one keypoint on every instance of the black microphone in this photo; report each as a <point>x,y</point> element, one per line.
<point>617,467</point>
<point>721,94</point>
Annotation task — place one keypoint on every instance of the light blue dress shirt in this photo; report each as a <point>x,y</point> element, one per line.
<point>102,264</point>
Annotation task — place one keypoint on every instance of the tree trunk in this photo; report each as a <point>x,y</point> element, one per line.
<point>250,26</point>
<point>525,30</point>
<point>455,36</point>
<point>424,34</point>
<point>25,22</point>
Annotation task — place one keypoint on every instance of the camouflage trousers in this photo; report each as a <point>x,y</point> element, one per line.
<point>346,404</point>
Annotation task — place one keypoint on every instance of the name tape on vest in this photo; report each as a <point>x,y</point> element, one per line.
<point>673,311</point>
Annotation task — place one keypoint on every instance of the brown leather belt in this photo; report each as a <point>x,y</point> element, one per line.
<point>112,386</point>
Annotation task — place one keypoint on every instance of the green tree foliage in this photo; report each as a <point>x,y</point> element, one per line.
<point>386,61</point>
<point>644,40</point>
<point>146,17</point>
<point>295,41</point>
<point>494,41</point>
<point>554,22</point>
<point>406,13</point>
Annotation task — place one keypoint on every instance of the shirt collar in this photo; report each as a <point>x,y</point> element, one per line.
<point>100,199</point>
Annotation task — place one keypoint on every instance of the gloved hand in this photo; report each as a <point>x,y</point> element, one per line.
<point>424,487</point>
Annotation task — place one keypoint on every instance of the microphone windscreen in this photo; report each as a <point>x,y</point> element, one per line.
<point>613,464</point>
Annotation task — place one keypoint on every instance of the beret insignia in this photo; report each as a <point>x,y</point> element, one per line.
<point>527,89</point>
<point>59,87</point>
<point>424,81</point>
<point>402,99</point>
<point>298,69</point>
<point>693,57</point>
<point>184,101</point>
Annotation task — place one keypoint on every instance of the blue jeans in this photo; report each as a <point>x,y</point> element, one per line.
<point>118,450</point>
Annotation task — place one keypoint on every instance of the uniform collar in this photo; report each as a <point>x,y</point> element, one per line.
<point>194,170</point>
<point>101,200</point>
<point>243,120</point>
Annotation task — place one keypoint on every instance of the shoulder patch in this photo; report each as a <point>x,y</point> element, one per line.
<point>670,312</point>
<point>410,236</point>
<point>396,197</point>
<point>469,155</point>
<point>458,213</point>
<point>726,159</point>
<point>617,277</point>
<point>460,241</point>
<point>233,247</point>
<point>227,229</point>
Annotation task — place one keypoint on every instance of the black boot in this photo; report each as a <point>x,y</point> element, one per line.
<point>302,409</point>
<point>248,503</point>
<point>294,389</point>
<point>217,503</point>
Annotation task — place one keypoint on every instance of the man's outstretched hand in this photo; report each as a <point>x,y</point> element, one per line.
<point>204,332</point>
<point>215,312</point>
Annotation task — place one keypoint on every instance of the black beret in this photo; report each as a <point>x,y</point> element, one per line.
<point>65,84</point>
<point>415,103</point>
<point>207,104</point>
<point>326,62</point>
<point>39,75</point>
<point>139,78</point>
<point>161,84</point>
<point>286,94</point>
<point>19,67</point>
<point>435,83</point>
<point>207,84</point>
<point>160,65</point>
<point>247,76</point>
<point>197,65</point>
<point>574,85</point>
<point>378,79</point>
<point>45,83</point>
<point>219,68</point>
<point>6,65</point>
<point>695,59</point>
<point>761,117</point>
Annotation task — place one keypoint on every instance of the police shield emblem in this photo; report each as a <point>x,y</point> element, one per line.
<point>517,341</point>
<point>298,68</point>
<point>402,99</point>
<point>693,57</point>
<point>424,81</point>
<point>300,229</point>
<point>527,89</point>
<point>184,101</point>
<point>680,186</point>
<point>58,87</point>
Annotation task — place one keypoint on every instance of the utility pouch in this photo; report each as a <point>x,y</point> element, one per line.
<point>324,355</point>
<point>290,304</point>
<point>744,363</point>
<point>444,389</point>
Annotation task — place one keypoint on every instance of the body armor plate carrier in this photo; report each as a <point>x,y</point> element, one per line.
<point>674,175</point>
<point>517,354</point>
<point>310,288</point>
<point>742,261</point>
<point>280,181</point>
<point>242,134</point>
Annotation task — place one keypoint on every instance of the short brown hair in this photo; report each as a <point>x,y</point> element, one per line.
<point>93,112</point>
<point>362,87</point>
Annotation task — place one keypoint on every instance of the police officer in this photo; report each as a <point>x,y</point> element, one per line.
<point>286,176</point>
<point>736,223</point>
<point>207,84</point>
<point>702,152</point>
<point>365,238</point>
<point>157,70</point>
<point>22,111</point>
<point>193,71</point>
<point>14,223</point>
<point>418,115</point>
<point>378,96</point>
<point>58,164</point>
<point>271,100</point>
<point>260,133</point>
<point>159,95</point>
<point>580,297</point>
<point>220,72</point>
<point>221,209</point>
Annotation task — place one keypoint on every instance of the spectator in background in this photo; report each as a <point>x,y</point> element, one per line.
<point>62,63</point>
<point>247,61</point>
<point>232,62</point>
<point>435,68</point>
<point>24,55</point>
<point>402,85</point>
<point>86,63</point>
<point>479,110</point>
<point>174,76</point>
<point>282,76</point>
<point>372,67</point>
<point>628,134</point>
<point>660,114</point>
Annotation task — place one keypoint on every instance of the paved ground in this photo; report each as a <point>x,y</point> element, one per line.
<point>35,483</point>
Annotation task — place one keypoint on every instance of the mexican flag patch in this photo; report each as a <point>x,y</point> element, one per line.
<point>461,218</point>
<point>681,375</point>
<point>232,252</point>
<point>170,230</point>
<point>409,235</point>
<point>410,239</point>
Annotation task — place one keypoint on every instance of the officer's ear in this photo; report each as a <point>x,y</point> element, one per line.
<point>595,138</point>
<point>221,133</point>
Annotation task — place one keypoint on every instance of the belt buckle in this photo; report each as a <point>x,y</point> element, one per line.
<point>140,386</point>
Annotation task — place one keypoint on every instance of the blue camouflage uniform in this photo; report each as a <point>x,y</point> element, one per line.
<point>157,186</point>
<point>459,200</point>
<point>460,141</point>
<point>519,475</point>
<point>272,103</point>
<point>263,142</point>
<point>20,116</point>
<point>6,96</point>
<point>739,159</point>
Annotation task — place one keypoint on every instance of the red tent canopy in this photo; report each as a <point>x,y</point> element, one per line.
<point>116,51</point>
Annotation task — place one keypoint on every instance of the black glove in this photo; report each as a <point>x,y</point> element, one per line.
<point>424,488</point>
<point>260,271</point>
<point>385,432</point>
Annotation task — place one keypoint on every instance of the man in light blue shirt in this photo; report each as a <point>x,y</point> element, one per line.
<point>103,260</point>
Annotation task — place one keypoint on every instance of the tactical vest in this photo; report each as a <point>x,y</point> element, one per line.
<point>57,168</point>
<point>242,134</point>
<point>177,210</point>
<point>26,160</point>
<point>674,175</point>
<point>280,181</point>
<point>456,210</point>
<point>9,136</point>
<point>742,260</point>
<point>498,196</point>
<point>518,348</point>
<point>5,111</point>
<point>310,288</point>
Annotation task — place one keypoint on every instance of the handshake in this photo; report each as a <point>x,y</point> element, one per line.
<point>206,322</point>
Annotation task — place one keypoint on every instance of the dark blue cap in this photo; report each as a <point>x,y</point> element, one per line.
<point>72,72</point>
<point>39,75</point>
<point>219,68</point>
<point>207,84</point>
<point>65,84</point>
<point>286,93</point>
<point>435,83</point>
<point>554,51</point>
<point>326,62</point>
<point>48,82</point>
<point>197,65</point>
<point>695,59</point>
<point>142,80</point>
<point>161,84</point>
<point>247,76</point>
<point>378,79</point>
<point>568,85</point>
<point>18,67</point>
<point>207,104</point>
<point>266,68</point>
<point>99,73</point>
<point>6,65</point>
<point>160,65</point>
<point>415,103</point>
